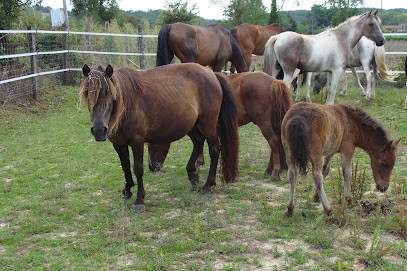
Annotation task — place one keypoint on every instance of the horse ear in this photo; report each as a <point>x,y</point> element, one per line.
<point>85,70</point>
<point>375,13</point>
<point>109,71</point>
<point>369,13</point>
<point>394,145</point>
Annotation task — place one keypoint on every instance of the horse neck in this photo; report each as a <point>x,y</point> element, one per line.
<point>371,138</point>
<point>349,33</point>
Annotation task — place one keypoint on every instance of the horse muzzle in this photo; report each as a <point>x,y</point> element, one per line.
<point>99,132</point>
<point>381,188</point>
<point>380,42</point>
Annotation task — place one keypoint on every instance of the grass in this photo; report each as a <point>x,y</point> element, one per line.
<point>60,206</point>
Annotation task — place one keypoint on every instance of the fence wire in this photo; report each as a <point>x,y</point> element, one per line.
<point>94,50</point>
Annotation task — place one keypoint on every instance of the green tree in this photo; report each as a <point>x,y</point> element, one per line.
<point>273,12</point>
<point>346,9</point>
<point>10,11</point>
<point>178,11</point>
<point>103,10</point>
<point>246,11</point>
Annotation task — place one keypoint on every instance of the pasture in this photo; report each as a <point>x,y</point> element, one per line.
<point>61,206</point>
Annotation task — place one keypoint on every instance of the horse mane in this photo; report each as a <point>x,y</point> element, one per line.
<point>353,18</point>
<point>363,118</point>
<point>124,87</point>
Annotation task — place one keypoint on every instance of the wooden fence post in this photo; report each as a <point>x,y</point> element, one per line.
<point>33,60</point>
<point>87,37</point>
<point>126,46</point>
<point>65,80</point>
<point>140,42</point>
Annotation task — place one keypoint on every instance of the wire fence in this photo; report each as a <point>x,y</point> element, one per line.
<point>26,55</point>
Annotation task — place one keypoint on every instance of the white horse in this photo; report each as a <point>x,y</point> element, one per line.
<point>328,51</point>
<point>365,54</point>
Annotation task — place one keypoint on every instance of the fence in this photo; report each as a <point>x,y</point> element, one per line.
<point>25,55</point>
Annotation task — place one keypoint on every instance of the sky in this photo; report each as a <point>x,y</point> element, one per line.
<point>208,11</point>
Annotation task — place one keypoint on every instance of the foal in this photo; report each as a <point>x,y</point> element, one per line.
<point>310,132</point>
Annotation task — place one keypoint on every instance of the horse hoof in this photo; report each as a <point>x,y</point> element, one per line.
<point>274,177</point>
<point>126,195</point>
<point>138,208</point>
<point>289,213</point>
<point>205,192</point>
<point>328,212</point>
<point>342,94</point>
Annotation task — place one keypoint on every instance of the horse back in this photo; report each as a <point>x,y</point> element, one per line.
<point>325,126</point>
<point>174,97</point>
<point>200,44</point>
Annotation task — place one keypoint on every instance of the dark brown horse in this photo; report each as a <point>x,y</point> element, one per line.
<point>162,105</point>
<point>252,38</point>
<point>208,45</point>
<point>314,132</point>
<point>261,99</point>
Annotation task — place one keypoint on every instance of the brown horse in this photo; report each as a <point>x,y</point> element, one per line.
<point>313,131</point>
<point>252,38</point>
<point>208,45</point>
<point>162,105</point>
<point>260,99</point>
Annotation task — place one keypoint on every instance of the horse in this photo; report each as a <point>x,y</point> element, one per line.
<point>364,54</point>
<point>162,105</point>
<point>328,51</point>
<point>208,45</point>
<point>252,38</point>
<point>260,99</point>
<point>311,132</point>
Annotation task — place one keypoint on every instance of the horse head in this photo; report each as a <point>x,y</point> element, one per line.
<point>371,28</point>
<point>99,92</point>
<point>320,81</point>
<point>156,156</point>
<point>382,165</point>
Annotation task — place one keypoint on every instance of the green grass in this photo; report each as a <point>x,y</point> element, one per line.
<point>60,205</point>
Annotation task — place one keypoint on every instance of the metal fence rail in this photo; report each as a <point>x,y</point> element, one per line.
<point>25,55</point>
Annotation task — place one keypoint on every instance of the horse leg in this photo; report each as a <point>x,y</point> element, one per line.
<point>274,167</point>
<point>300,79</point>
<point>292,178</point>
<point>319,184</point>
<point>138,149</point>
<point>345,84</point>
<point>346,159</point>
<point>308,76</point>
<point>335,76</point>
<point>217,67</point>
<point>123,152</point>
<point>325,171</point>
<point>362,90</point>
<point>373,83</point>
<point>214,150</point>
<point>198,141</point>
<point>369,92</point>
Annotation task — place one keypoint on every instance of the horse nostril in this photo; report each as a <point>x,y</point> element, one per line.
<point>92,131</point>
<point>105,130</point>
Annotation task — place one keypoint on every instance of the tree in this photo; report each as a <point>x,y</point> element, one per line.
<point>10,11</point>
<point>178,12</point>
<point>246,11</point>
<point>273,12</point>
<point>103,10</point>
<point>346,8</point>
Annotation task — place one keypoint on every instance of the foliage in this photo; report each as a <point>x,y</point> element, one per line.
<point>10,11</point>
<point>103,10</point>
<point>273,12</point>
<point>246,11</point>
<point>178,11</point>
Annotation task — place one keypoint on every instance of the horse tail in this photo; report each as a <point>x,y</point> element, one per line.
<point>271,64</point>
<point>164,52</point>
<point>281,101</point>
<point>297,140</point>
<point>238,60</point>
<point>228,133</point>
<point>380,59</point>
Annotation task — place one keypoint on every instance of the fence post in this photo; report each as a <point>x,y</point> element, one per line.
<point>65,79</point>
<point>33,60</point>
<point>87,37</point>
<point>140,42</point>
<point>126,43</point>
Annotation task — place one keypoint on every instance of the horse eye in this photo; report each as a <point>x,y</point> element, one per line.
<point>371,24</point>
